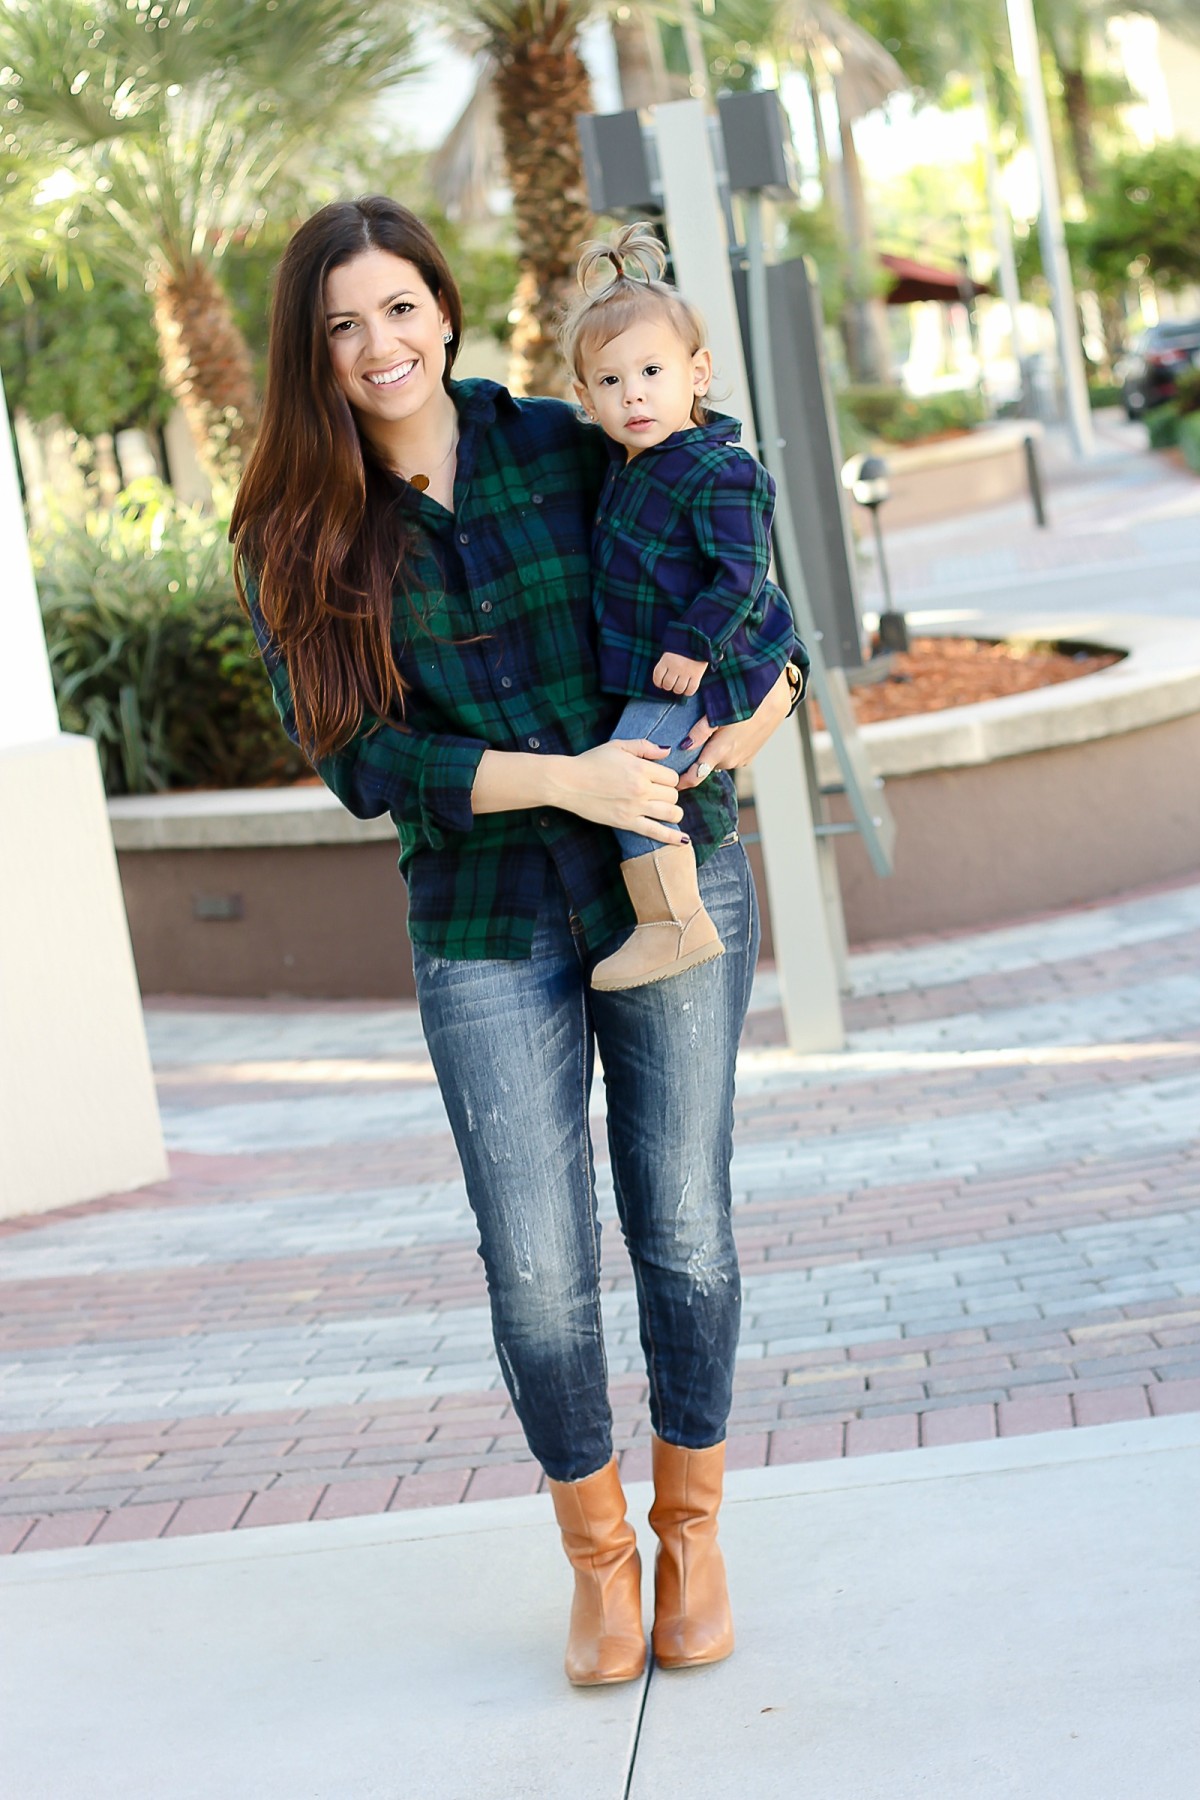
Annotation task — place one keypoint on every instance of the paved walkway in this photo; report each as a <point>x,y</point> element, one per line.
<point>1123,536</point>
<point>982,1219</point>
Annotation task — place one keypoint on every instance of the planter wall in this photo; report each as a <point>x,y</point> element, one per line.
<point>985,467</point>
<point>1064,795</point>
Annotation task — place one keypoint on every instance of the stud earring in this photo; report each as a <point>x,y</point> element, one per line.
<point>447,337</point>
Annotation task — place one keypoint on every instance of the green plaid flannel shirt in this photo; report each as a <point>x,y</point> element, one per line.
<point>504,657</point>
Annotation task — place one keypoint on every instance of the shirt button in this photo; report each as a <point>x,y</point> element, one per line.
<point>464,537</point>
<point>504,681</point>
<point>534,743</point>
<point>537,499</point>
<point>485,606</point>
<point>544,822</point>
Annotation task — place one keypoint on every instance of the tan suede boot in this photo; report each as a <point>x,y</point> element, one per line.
<point>692,1621</point>
<point>607,1641</point>
<point>673,932</point>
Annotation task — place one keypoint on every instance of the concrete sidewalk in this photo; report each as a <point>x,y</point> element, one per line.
<point>981,1622</point>
<point>1123,537</point>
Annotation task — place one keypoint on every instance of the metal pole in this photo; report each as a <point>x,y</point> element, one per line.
<point>1028,64</point>
<point>806,950</point>
<point>1034,475</point>
<point>1006,262</point>
<point>883,568</point>
<point>693,45</point>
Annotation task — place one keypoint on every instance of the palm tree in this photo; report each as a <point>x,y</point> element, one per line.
<point>839,57</point>
<point>641,64</point>
<point>174,127</point>
<point>1069,29</point>
<point>540,84</point>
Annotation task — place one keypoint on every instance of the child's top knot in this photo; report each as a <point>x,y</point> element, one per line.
<point>635,255</point>
<point>632,289</point>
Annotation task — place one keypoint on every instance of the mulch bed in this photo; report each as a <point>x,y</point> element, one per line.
<point>934,674</point>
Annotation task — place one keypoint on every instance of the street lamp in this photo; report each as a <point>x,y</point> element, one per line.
<point>866,477</point>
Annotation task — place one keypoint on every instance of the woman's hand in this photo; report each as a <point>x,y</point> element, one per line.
<point>620,784</point>
<point>732,746</point>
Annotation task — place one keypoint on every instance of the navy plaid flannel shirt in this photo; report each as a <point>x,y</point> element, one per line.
<point>506,658</point>
<point>681,552</point>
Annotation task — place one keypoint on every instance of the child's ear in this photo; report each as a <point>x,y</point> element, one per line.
<point>581,394</point>
<point>702,372</point>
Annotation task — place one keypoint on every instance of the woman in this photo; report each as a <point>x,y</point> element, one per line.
<point>414,554</point>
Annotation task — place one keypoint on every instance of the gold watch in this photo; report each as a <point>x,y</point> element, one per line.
<point>797,683</point>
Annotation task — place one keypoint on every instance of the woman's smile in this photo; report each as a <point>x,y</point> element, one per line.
<point>389,377</point>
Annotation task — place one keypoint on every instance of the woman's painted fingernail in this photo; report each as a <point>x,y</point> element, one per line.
<point>686,744</point>
<point>684,839</point>
<point>665,747</point>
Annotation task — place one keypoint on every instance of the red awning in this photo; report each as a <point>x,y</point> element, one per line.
<point>920,281</point>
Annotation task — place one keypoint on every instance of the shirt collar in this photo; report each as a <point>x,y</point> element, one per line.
<point>477,401</point>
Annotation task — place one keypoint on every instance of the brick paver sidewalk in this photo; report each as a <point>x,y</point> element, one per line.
<point>983,1218</point>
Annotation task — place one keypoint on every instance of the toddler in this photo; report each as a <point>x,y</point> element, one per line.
<point>689,626</point>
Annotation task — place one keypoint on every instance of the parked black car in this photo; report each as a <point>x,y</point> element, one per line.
<point>1155,362</point>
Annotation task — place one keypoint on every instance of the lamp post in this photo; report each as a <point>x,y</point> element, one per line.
<point>867,479</point>
<point>1027,61</point>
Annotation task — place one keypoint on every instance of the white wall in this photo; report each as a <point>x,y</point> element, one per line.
<point>78,1115</point>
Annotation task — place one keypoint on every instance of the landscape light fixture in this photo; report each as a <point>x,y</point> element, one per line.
<point>867,479</point>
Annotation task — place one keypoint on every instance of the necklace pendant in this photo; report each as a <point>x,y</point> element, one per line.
<point>420,482</point>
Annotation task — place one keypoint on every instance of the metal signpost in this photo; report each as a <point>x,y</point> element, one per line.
<point>689,166</point>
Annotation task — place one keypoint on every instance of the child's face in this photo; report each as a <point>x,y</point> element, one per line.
<point>641,385</point>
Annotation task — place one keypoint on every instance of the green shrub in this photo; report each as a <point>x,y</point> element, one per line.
<point>151,655</point>
<point>1189,440</point>
<point>1105,393</point>
<point>1163,426</point>
<point>1187,393</point>
<point>902,418</point>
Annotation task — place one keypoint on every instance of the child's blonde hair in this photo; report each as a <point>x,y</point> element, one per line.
<point>635,290</point>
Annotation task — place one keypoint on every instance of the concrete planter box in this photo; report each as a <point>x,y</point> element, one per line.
<point>1062,795</point>
<point>984,467</point>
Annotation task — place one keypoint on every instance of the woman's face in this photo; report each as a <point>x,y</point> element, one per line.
<point>386,336</point>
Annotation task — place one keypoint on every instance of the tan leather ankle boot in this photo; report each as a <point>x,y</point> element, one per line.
<point>692,1621</point>
<point>607,1641</point>
<point>673,932</point>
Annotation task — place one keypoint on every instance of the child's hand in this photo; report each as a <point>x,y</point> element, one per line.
<point>678,674</point>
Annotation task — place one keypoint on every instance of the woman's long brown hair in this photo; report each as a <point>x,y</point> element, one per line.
<point>317,523</point>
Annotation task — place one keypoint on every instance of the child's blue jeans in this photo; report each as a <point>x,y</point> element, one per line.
<point>664,721</point>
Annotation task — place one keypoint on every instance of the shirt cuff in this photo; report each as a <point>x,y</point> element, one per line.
<point>447,777</point>
<point>685,640</point>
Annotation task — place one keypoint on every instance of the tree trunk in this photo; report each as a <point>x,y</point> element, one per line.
<point>541,85</point>
<point>1077,103</point>
<point>206,367</point>
<point>640,60</point>
<point>868,343</point>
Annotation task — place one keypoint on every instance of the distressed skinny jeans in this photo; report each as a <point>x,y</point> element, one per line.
<point>513,1044</point>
